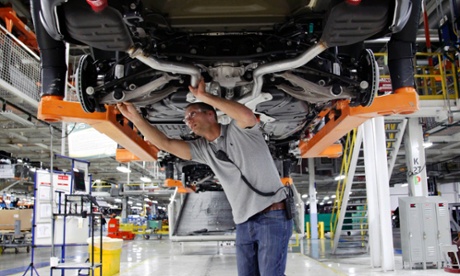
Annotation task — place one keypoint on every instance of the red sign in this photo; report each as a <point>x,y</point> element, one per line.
<point>385,85</point>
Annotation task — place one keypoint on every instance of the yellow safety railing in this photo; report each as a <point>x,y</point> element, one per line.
<point>339,193</point>
<point>390,139</point>
<point>435,76</point>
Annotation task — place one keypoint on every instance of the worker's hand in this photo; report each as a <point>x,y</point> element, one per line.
<point>200,91</point>
<point>129,111</point>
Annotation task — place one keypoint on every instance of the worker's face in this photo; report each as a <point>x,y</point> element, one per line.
<point>195,119</point>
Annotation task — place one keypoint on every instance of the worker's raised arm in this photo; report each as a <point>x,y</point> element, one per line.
<point>177,147</point>
<point>243,116</point>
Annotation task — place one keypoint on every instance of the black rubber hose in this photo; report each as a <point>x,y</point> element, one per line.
<point>52,57</point>
<point>401,51</point>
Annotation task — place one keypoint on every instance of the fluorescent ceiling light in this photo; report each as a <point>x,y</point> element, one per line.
<point>18,136</point>
<point>123,169</point>
<point>405,185</point>
<point>14,117</point>
<point>340,177</point>
<point>146,179</point>
<point>16,146</point>
<point>304,196</point>
<point>427,144</point>
<point>41,145</point>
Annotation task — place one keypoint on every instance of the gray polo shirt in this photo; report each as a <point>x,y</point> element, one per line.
<point>248,150</point>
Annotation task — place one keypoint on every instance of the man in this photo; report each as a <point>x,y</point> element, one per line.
<point>262,229</point>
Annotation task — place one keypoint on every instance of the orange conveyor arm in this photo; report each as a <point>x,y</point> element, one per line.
<point>54,109</point>
<point>25,35</point>
<point>342,119</point>
<point>403,101</point>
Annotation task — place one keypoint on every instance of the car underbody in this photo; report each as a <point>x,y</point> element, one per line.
<point>286,60</point>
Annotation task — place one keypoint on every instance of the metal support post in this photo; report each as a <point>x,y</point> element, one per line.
<point>124,209</point>
<point>415,159</point>
<point>383,191</point>
<point>371,191</point>
<point>378,195</point>
<point>312,192</point>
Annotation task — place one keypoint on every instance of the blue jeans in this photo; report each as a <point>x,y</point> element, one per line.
<point>261,244</point>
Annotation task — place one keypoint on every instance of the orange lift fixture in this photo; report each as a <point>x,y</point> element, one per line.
<point>341,119</point>
<point>13,22</point>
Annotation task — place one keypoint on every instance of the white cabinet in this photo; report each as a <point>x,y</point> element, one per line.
<point>425,225</point>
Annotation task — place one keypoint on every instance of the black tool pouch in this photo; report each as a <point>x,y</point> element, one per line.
<point>290,204</point>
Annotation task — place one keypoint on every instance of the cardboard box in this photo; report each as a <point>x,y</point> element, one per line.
<point>8,217</point>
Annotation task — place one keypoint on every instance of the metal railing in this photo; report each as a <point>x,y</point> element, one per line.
<point>435,75</point>
<point>19,72</point>
<point>340,191</point>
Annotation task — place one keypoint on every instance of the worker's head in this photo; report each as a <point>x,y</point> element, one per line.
<point>203,107</point>
<point>199,116</point>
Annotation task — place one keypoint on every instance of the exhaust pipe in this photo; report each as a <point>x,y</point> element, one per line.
<point>284,65</point>
<point>173,67</point>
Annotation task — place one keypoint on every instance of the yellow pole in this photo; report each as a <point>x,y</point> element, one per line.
<point>321,230</point>
<point>307,230</point>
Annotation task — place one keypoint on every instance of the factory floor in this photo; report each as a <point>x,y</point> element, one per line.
<point>163,257</point>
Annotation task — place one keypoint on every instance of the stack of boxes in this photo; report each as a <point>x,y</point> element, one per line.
<point>114,231</point>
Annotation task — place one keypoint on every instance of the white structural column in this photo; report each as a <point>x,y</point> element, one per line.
<point>415,159</point>
<point>313,207</point>
<point>124,209</point>
<point>378,195</point>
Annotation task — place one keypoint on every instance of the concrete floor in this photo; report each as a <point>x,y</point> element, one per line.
<point>162,257</point>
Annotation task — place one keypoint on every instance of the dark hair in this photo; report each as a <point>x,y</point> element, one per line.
<point>203,107</point>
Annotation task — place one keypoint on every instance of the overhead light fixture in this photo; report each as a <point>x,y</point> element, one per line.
<point>340,177</point>
<point>18,119</point>
<point>405,185</point>
<point>304,196</point>
<point>145,179</point>
<point>16,146</point>
<point>42,145</point>
<point>427,144</point>
<point>123,169</point>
